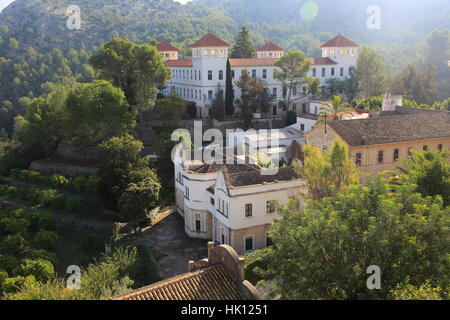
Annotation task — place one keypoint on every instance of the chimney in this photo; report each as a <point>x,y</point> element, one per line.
<point>391,101</point>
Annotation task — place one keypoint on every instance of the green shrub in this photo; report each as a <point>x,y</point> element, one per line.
<point>11,285</point>
<point>14,243</point>
<point>78,205</point>
<point>47,239</point>
<point>14,225</point>
<point>47,222</point>
<point>12,191</point>
<point>8,262</point>
<point>48,196</point>
<point>42,254</point>
<point>79,183</point>
<point>92,184</point>
<point>291,118</point>
<point>58,181</point>
<point>41,269</point>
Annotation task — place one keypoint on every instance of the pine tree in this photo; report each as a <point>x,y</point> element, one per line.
<point>243,47</point>
<point>229,92</point>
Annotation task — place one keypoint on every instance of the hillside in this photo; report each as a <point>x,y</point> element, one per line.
<point>37,49</point>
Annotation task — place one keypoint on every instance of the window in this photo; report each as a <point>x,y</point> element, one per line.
<point>210,75</point>
<point>302,127</point>
<point>195,74</point>
<point>199,75</point>
<point>186,192</point>
<point>440,147</point>
<point>248,210</point>
<point>323,72</point>
<point>314,72</point>
<point>264,73</point>
<point>210,94</point>
<point>191,75</point>
<point>396,153</point>
<point>212,201</point>
<point>248,243</point>
<point>380,156</point>
<point>227,211</point>
<point>220,74</point>
<point>425,148</point>
<point>269,241</point>
<point>232,74</point>
<point>254,73</point>
<point>409,151</point>
<point>304,91</point>
<point>342,72</point>
<point>304,108</point>
<point>332,72</point>
<point>198,223</point>
<point>274,92</point>
<point>270,206</point>
<point>358,159</point>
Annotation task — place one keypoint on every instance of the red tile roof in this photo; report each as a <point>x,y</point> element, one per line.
<point>321,61</point>
<point>253,62</point>
<point>210,40</point>
<point>166,47</point>
<point>213,283</point>
<point>179,63</point>
<point>270,47</point>
<point>339,41</point>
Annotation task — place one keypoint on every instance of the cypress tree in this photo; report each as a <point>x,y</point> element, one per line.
<point>229,92</point>
<point>243,47</point>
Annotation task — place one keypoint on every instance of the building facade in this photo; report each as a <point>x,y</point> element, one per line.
<point>233,204</point>
<point>199,78</point>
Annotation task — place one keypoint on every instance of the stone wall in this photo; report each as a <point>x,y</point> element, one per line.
<point>259,234</point>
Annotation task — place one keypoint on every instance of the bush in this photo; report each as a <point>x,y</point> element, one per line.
<point>58,181</point>
<point>79,183</point>
<point>14,225</point>
<point>14,243</point>
<point>47,239</point>
<point>41,269</point>
<point>47,222</point>
<point>92,184</point>
<point>77,205</point>
<point>8,262</point>
<point>42,254</point>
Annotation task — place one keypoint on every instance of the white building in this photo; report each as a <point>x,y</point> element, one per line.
<point>233,204</point>
<point>197,79</point>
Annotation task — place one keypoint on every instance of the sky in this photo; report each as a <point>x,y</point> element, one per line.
<point>5,3</point>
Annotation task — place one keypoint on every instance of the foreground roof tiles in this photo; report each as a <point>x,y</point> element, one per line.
<point>339,41</point>
<point>390,129</point>
<point>210,40</point>
<point>213,283</point>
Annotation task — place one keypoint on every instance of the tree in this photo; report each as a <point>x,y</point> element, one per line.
<point>293,69</point>
<point>328,172</point>
<point>41,269</point>
<point>170,109</point>
<point>429,171</point>
<point>229,92</point>
<point>95,112</point>
<point>350,86</point>
<point>243,47</point>
<point>119,156</point>
<point>370,73</point>
<point>324,252</point>
<point>336,109</point>
<point>372,103</point>
<point>139,199</point>
<point>294,152</point>
<point>334,86</point>
<point>218,104</point>
<point>422,292</point>
<point>255,97</point>
<point>136,69</point>
<point>416,85</point>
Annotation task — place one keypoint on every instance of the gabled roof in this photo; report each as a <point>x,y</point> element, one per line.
<point>270,47</point>
<point>179,63</point>
<point>166,47</point>
<point>210,40</point>
<point>390,129</point>
<point>213,283</point>
<point>339,41</point>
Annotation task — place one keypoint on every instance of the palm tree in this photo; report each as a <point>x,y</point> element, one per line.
<point>336,110</point>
